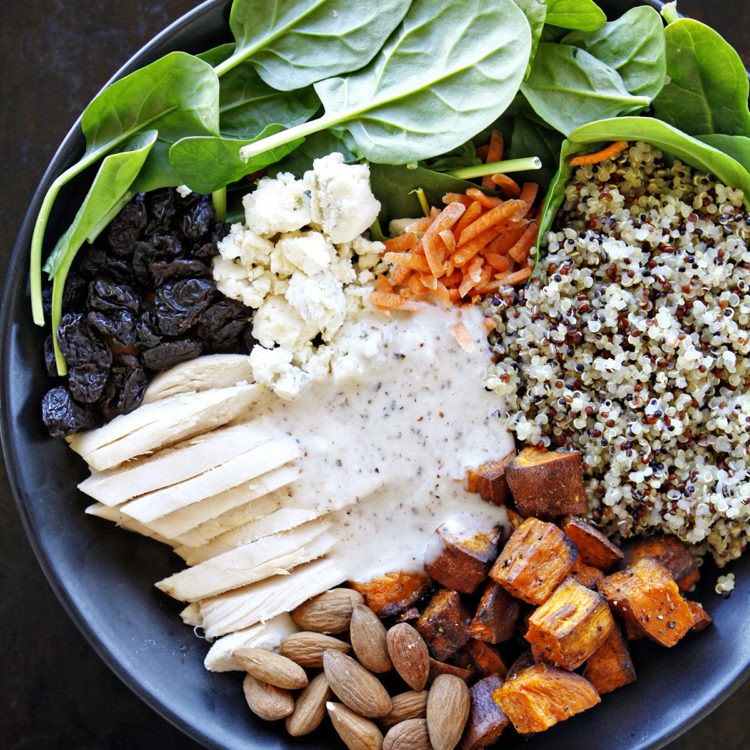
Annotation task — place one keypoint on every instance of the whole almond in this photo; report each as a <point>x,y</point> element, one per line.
<point>409,655</point>
<point>368,636</point>
<point>409,705</point>
<point>329,612</point>
<point>357,688</point>
<point>272,668</point>
<point>310,707</point>
<point>356,732</point>
<point>306,648</point>
<point>408,735</point>
<point>448,705</point>
<point>267,701</point>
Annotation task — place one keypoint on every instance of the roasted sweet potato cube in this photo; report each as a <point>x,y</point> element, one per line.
<point>444,624</point>
<point>392,593</point>
<point>593,547</point>
<point>442,667</point>
<point>671,553</point>
<point>496,616</point>
<point>461,551</point>
<point>536,558</point>
<point>586,575</point>
<point>633,631</point>
<point>701,618</point>
<point>525,659</point>
<point>540,696</point>
<point>514,519</point>
<point>489,480</point>
<point>547,483</point>
<point>485,659</point>
<point>571,625</point>
<point>610,667</point>
<point>486,719</point>
<point>646,594</point>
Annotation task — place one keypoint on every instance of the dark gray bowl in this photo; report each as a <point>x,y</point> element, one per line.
<point>104,577</point>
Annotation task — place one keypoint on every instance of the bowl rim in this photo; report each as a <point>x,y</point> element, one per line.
<point>16,280</point>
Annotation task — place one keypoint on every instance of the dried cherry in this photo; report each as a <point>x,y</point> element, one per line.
<point>62,416</point>
<point>80,344</point>
<point>199,217</point>
<point>170,353</point>
<point>127,227</point>
<point>87,382</point>
<point>178,305</point>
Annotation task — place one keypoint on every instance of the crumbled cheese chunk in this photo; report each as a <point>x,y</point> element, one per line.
<point>183,191</point>
<point>300,261</point>
<point>340,197</point>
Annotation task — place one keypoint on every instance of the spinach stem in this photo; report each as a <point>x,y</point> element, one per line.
<point>376,233</point>
<point>422,198</point>
<point>509,165</point>
<point>219,199</point>
<point>58,287</point>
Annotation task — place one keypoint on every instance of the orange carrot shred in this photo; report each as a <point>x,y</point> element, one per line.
<point>520,251</point>
<point>471,213</point>
<point>494,216</point>
<point>507,184</point>
<point>401,243</point>
<point>419,225</point>
<point>392,300</point>
<point>528,195</point>
<point>494,153</point>
<point>500,263</point>
<point>462,337</point>
<point>505,241</point>
<point>482,151</point>
<point>383,284</point>
<point>400,274</point>
<point>449,240</point>
<point>467,284</point>
<point>409,260</point>
<point>488,201</point>
<point>599,156</point>
<point>465,253</point>
<point>515,277</point>
<point>456,198</point>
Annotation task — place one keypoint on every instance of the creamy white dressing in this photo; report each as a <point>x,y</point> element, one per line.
<point>392,432</point>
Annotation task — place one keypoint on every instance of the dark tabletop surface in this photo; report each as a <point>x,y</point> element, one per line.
<point>54,690</point>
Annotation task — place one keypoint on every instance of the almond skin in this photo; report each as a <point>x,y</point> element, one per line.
<point>408,735</point>
<point>356,732</point>
<point>266,701</point>
<point>409,655</point>
<point>448,705</point>
<point>272,668</point>
<point>310,707</point>
<point>409,705</point>
<point>368,636</point>
<point>329,612</point>
<point>307,648</point>
<point>357,688</point>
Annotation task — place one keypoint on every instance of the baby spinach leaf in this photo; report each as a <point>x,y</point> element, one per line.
<point>634,45</point>
<point>315,147</point>
<point>293,43</point>
<point>107,194</point>
<point>536,13</point>
<point>446,73</point>
<point>463,156</point>
<point>707,84</point>
<point>668,138</point>
<point>177,95</point>
<point>736,146</point>
<point>208,163</point>
<point>395,188</point>
<point>556,192</point>
<point>568,87</point>
<point>529,137</point>
<point>584,15</point>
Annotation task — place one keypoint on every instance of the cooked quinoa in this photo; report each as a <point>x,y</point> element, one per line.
<point>631,345</point>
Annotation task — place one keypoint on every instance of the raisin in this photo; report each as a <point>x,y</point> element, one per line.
<point>117,324</point>
<point>170,353</point>
<point>210,249</point>
<point>127,384</point>
<point>87,382</point>
<point>80,344</point>
<point>49,357</point>
<point>181,268</point>
<point>63,416</point>
<point>107,296</point>
<point>161,209</point>
<point>74,294</point>
<point>146,336</point>
<point>215,317</point>
<point>178,305</point>
<point>95,263</point>
<point>198,218</point>
<point>127,227</point>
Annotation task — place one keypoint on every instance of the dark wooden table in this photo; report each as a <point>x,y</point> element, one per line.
<point>54,690</point>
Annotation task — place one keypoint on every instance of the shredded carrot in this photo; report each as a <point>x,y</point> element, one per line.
<point>383,284</point>
<point>401,243</point>
<point>505,241</point>
<point>508,185</point>
<point>500,263</point>
<point>494,216</point>
<point>419,225</point>
<point>391,300</point>
<point>399,275</point>
<point>456,198</point>
<point>520,250</point>
<point>466,252</point>
<point>471,213</point>
<point>515,277</point>
<point>528,195</point>
<point>449,240</point>
<point>409,260</point>
<point>599,156</point>
<point>488,201</point>
<point>482,151</point>
<point>462,337</point>
<point>494,153</point>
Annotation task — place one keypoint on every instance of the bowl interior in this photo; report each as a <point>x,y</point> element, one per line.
<point>104,577</point>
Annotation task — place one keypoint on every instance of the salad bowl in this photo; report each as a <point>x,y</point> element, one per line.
<point>104,577</point>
